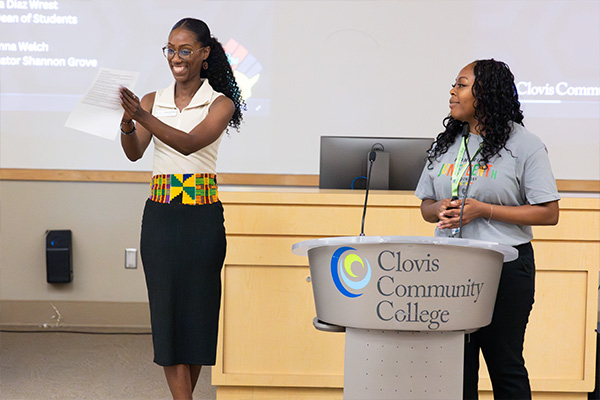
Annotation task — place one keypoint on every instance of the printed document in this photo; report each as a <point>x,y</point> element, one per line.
<point>99,112</point>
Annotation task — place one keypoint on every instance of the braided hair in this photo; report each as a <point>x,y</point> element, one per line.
<point>496,106</point>
<point>219,72</point>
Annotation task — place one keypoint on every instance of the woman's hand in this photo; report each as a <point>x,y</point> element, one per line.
<point>136,139</point>
<point>449,212</point>
<point>435,211</point>
<point>131,104</point>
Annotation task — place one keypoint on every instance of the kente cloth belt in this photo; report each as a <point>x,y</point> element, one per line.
<point>192,189</point>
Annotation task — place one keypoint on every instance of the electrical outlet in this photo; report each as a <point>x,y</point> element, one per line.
<point>130,258</point>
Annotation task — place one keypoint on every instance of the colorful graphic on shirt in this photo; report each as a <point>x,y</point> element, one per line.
<point>350,272</point>
<point>477,171</point>
<point>469,177</point>
<point>246,67</point>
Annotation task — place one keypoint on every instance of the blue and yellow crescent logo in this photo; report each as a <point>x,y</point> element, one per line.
<point>351,269</point>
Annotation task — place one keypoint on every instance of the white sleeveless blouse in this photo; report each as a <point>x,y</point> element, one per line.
<point>168,160</point>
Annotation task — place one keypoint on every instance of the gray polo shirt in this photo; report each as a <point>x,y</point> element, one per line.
<point>521,176</point>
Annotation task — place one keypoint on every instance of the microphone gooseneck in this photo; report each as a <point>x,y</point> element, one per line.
<point>465,135</point>
<point>372,156</point>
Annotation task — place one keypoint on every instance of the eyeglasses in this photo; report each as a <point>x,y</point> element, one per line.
<point>184,54</point>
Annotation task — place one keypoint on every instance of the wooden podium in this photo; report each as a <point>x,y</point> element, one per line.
<point>405,304</point>
<point>269,350</point>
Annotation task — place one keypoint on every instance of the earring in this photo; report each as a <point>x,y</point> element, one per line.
<point>205,65</point>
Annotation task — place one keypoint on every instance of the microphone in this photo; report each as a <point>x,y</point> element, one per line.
<point>465,135</point>
<point>466,130</point>
<point>372,156</point>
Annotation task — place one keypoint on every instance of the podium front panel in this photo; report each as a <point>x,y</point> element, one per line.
<point>394,365</point>
<point>405,286</point>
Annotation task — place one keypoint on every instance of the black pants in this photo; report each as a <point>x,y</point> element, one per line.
<point>501,342</point>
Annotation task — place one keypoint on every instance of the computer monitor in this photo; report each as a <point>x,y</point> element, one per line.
<point>397,166</point>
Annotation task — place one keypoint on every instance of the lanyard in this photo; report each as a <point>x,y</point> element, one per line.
<point>458,172</point>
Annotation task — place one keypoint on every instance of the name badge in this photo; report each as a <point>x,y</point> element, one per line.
<point>165,112</point>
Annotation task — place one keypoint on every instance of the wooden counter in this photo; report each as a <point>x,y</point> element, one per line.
<point>268,348</point>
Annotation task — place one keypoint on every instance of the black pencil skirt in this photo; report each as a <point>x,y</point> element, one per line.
<point>183,249</point>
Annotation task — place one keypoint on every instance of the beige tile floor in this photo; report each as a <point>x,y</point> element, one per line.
<point>51,365</point>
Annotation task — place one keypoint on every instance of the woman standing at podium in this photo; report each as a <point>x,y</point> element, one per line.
<point>183,235</point>
<point>509,188</point>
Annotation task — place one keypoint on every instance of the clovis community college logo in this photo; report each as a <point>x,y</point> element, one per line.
<point>350,272</point>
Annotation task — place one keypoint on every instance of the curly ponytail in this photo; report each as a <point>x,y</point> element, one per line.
<point>219,72</point>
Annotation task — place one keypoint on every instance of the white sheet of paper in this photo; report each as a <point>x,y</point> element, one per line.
<point>99,112</point>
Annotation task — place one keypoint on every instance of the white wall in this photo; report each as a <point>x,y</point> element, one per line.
<point>359,68</point>
<point>104,218</point>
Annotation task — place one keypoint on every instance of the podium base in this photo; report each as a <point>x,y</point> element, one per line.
<point>393,365</point>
